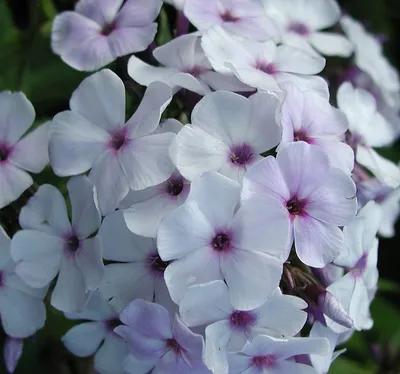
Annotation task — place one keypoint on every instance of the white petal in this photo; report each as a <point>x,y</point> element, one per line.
<point>31,152</point>
<point>317,243</point>
<point>147,116</point>
<point>201,266</point>
<point>183,231</point>
<point>120,244</point>
<point>89,261</point>
<point>100,98</point>
<point>273,239</point>
<point>340,154</point>
<point>383,169</point>
<point>46,211</point>
<point>21,314</point>
<point>38,256</point>
<point>75,144</point>
<point>110,181</point>
<point>225,192</point>
<point>16,116</point>
<point>84,339</point>
<point>196,151</point>
<point>220,48</point>
<point>206,303</point>
<point>331,44</point>
<point>109,359</point>
<point>294,60</point>
<point>85,214</point>
<point>249,292</point>
<point>69,294</point>
<point>13,182</point>
<point>146,161</point>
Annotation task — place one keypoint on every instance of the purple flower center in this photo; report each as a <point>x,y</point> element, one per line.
<point>300,135</point>
<point>72,243</point>
<point>111,324</point>
<point>4,152</point>
<point>227,16</point>
<point>195,71</point>
<point>118,139</point>
<point>174,345</point>
<point>263,362</point>
<point>221,242</point>
<point>241,154</point>
<point>109,28</point>
<point>266,67</point>
<point>299,28</point>
<point>295,206</point>
<point>175,186</point>
<point>156,264</point>
<point>354,139</point>
<point>242,319</point>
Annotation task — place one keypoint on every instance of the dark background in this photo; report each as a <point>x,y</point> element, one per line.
<point>27,64</point>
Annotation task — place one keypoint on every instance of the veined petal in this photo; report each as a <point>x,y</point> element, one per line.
<point>75,144</point>
<point>317,243</point>
<point>13,182</point>
<point>100,99</point>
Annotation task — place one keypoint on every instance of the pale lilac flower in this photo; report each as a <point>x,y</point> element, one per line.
<point>227,134</point>
<point>144,210</point>
<point>93,136</point>
<point>369,57</point>
<point>317,198</point>
<point>139,272</point>
<point>13,348</point>
<point>184,65</point>
<point>244,18</point>
<point>19,155</point>
<point>228,329</point>
<point>100,31</point>
<point>266,354</point>
<point>307,116</point>
<point>357,288</point>
<point>368,128</point>
<point>263,65</point>
<point>51,245</point>
<point>97,337</point>
<point>388,200</point>
<point>211,239</point>
<point>22,309</point>
<point>323,363</point>
<point>159,343</point>
<point>300,22</point>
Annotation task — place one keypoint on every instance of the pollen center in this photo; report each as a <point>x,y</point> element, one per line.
<point>4,152</point>
<point>157,264</point>
<point>299,28</point>
<point>227,16</point>
<point>109,28</point>
<point>263,362</point>
<point>118,140</point>
<point>72,242</point>
<point>295,206</point>
<point>175,186</point>
<point>267,68</point>
<point>242,319</point>
<point>221,242</point>
<point>241,155</point>
<point>174,345</point>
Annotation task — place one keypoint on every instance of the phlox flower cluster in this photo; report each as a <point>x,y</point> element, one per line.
<point>240,236</point>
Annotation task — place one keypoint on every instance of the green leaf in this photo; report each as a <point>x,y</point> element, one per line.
<point>343,365</point>
<point>386,319</point>
<point>164,31</point>
<point>385,285</point>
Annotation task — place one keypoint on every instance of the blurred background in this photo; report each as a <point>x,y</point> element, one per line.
<point>27,64</point>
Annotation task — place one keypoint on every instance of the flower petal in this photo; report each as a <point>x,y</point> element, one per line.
<point>249,292</point>
<point>84,339</point>
<point>31,152</point>
<point>110,357</point>
<point>16,116</point>
<point>100,99</point>
<point>331,44</point>
<point>13,182</point>
<point>75,144</point>
<point>317,243</point>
